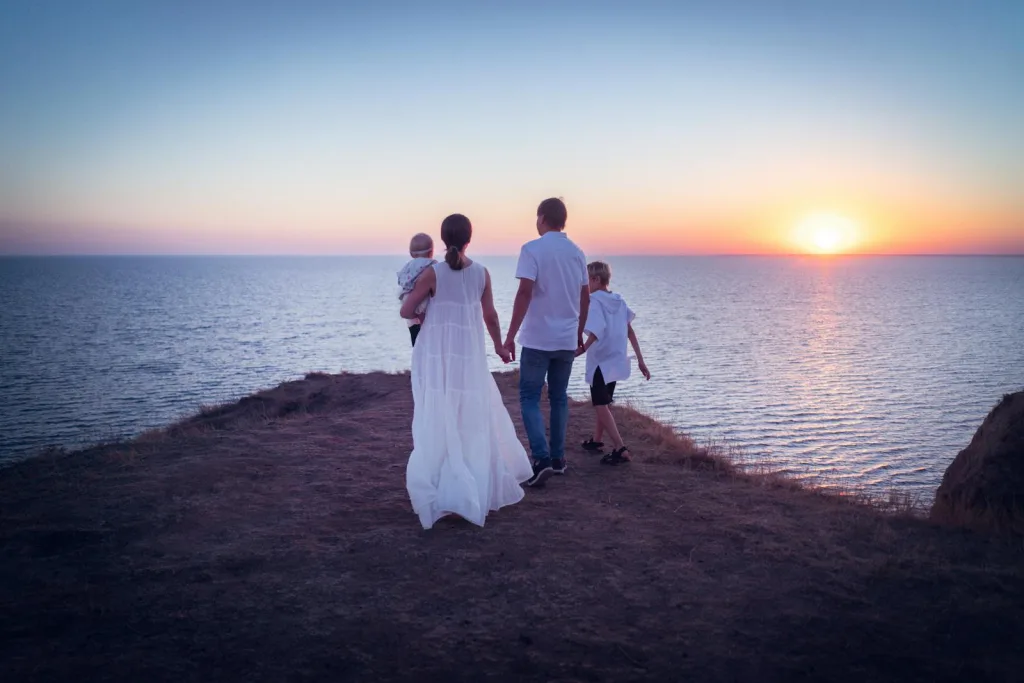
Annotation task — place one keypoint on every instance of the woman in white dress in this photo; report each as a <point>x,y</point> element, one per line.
<point>466,458</point>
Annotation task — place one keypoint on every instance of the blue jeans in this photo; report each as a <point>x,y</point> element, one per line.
<point>534,367</point>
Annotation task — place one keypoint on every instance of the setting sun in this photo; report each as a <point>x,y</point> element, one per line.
<point>826,233</point>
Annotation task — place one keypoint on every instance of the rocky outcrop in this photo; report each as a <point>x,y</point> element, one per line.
<point>983,488</point>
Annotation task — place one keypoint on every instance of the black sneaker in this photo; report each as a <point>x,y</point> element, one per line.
<point>559,466</point>
<point>592,446</point>
<point>541,473</point>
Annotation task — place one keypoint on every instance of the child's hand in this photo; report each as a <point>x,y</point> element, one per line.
<point>580,350</point>
<point>503,353</point>
<point>643,369</point>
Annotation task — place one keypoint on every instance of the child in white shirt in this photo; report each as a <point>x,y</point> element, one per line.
<point>421,249</point>
<point>608,327</point>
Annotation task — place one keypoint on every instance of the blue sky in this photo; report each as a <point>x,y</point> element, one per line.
<point>231,127</point>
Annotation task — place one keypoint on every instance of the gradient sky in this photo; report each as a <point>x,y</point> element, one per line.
<point>686,127</point>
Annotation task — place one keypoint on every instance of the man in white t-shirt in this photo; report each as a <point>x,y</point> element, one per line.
<point>550,307</point>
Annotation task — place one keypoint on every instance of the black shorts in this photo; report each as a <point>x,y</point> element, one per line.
<point>601,394</point>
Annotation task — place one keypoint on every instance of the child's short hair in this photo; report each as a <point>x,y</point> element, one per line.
<point>421,245</point>
<point>601,270</point>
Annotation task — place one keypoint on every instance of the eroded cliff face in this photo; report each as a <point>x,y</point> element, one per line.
<point>983,488</point>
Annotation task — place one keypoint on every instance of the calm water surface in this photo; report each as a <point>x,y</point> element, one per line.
<point>867,371</point>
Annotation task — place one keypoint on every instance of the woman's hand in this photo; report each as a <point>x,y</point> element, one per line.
<point>423,289</point>
<point>503,353</point>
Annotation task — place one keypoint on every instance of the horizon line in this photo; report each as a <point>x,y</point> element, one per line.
<point>509,254</point>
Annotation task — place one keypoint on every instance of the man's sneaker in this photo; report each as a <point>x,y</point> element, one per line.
<point>559,466</point>
<point>541,473</point>
<point>592,446</point>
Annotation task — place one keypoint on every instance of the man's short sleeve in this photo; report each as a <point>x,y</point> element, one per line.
<point>526,269</point>
<point>586,275</point>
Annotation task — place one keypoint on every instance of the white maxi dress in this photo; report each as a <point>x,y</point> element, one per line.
<point>466,458</point>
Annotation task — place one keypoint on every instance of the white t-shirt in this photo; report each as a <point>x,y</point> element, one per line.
<point>558,269</point>
<point>608,320</point>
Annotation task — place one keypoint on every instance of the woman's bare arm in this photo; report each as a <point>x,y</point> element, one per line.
<point>491,319</point>
<point>424,288</point>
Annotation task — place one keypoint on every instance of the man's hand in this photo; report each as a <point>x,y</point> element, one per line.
<point>643,369</point>
<point>580,350</point>
<point>510,348</point>
<point>503,353</point>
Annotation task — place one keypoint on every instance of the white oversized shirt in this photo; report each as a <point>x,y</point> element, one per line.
<point>558,270</point>
<point>609,321</point>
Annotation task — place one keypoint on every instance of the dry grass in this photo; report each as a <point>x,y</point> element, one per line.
<point>987,519</point>
<point>664,444</point>
<point>271,539</point>
<point>656,442</point>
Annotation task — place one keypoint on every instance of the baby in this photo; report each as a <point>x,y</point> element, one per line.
<point>421,249</point>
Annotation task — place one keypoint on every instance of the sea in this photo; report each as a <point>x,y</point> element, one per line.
<point>867,373</point>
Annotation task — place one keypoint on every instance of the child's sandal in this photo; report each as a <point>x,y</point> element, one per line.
<point>616,457</point>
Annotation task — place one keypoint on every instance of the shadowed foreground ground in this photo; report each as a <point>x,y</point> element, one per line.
<point>272,540</point>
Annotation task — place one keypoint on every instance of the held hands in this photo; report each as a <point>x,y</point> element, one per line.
<point>503,353</point>
<point>509,348</point>
<point>580,350</point>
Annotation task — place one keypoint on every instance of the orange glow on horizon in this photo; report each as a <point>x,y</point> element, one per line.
<point>841,226</point>
<point>826,233</point>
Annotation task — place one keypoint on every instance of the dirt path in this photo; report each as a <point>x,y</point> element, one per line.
<point>272,540</point>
